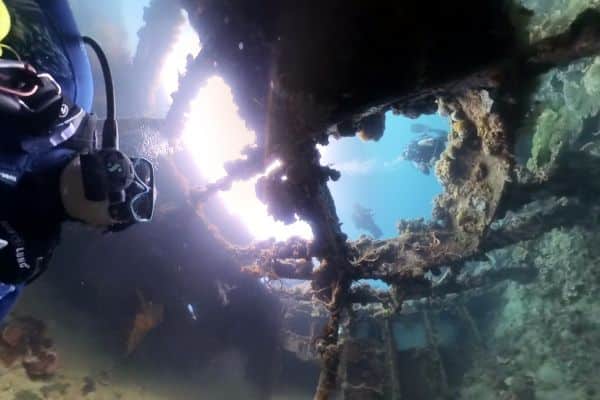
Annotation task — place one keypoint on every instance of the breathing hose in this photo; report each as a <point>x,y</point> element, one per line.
<point>110,131</point>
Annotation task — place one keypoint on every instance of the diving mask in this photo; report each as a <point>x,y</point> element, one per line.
<point>127,184</point>
<point>139,195</point>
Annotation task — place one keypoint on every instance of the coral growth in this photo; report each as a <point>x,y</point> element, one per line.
<point>545,334</point>
<point>565,99</point>
<point>552,17</point>
<point>554,130</point>
<point>474,168</point>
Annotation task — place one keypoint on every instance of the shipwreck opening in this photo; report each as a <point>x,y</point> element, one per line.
<point>388,180</point>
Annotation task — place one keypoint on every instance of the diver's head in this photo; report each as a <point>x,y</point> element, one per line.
<point>108,189</point>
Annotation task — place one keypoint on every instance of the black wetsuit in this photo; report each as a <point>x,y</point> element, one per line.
<point>30,217</point>
<point>43,33</point>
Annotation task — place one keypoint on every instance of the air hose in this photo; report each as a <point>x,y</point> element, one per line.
<point>110,131</point>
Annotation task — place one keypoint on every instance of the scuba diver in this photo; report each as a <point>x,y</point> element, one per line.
<point>424,152</point>
<point>364,219</point>
<point>54,167</point>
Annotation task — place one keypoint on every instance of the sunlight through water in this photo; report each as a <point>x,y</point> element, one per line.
<point>187,44</point>
<point>214,134</point>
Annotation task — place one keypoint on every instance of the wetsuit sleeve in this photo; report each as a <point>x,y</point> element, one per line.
<point>21,261</point>
<point>8,298</point>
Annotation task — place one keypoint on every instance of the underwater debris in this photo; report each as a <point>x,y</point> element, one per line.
<point>24,339</point>
<point>148,317</point>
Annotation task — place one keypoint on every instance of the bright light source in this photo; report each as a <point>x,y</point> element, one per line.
<point>214,134</point>
<point>241,200</point>
<point>187,44</point>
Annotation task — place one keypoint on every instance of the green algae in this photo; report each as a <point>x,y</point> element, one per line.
<point>565,98</point>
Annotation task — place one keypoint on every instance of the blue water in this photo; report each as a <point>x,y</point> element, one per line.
<point>374,177</point>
